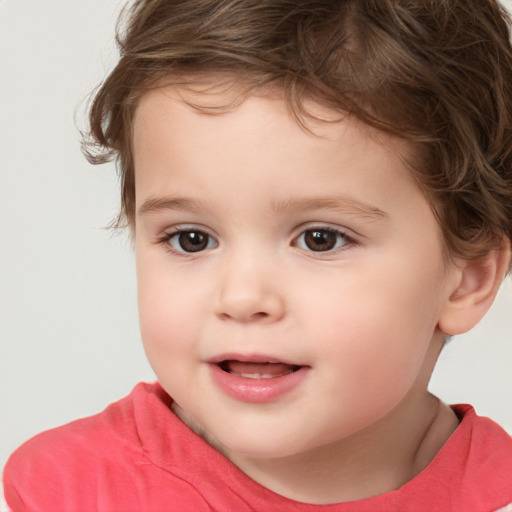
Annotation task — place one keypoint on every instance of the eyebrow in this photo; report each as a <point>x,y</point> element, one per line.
<point>346,205</point>
<point>159,204</point>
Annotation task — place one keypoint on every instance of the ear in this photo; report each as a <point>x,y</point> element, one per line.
<point>477,284</point>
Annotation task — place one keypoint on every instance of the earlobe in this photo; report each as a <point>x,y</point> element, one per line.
<point>478,283</point>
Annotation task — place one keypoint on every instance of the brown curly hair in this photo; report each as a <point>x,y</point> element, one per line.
<point>436,73</point>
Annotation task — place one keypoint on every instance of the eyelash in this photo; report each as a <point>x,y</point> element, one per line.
<point>166,239</point>
<point>338,233</point>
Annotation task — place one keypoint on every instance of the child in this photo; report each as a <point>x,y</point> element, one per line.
<point>320,194</point>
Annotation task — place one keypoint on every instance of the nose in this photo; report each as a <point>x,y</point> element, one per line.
<point>249,291</point>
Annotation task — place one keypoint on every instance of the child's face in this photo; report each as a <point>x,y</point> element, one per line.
<point>259,243</point>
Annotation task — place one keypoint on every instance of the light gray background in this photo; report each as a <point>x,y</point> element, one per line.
<point>68,320</point>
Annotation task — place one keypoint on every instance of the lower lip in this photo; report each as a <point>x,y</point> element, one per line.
<point>256,390</point>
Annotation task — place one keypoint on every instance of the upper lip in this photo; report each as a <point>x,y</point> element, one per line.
<point>250,358</point>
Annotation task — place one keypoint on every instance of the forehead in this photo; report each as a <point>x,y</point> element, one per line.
<point>219,98</point>
<point>179,151</point>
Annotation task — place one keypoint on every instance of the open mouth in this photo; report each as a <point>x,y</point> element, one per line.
<point>256,378</point>
<point>257,370</point>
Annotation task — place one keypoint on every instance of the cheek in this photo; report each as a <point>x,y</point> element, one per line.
<point>168,309</point>
<point>376,329</point>
<point>169,329</point>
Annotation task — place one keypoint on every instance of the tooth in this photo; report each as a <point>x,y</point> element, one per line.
<point>260,375</point>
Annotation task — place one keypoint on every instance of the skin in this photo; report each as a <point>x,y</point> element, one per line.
<point>363,317</point>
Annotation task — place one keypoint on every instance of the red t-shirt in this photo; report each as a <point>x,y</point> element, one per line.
<point>138,456</point>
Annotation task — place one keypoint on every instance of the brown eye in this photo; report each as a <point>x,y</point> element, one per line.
<point>321,240</point>
<point>191,241</point>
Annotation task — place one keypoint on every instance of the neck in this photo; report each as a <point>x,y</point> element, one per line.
<point>377,460</point>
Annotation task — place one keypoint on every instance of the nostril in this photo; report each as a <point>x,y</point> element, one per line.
<point>249,307</point>
<point>255,316</point>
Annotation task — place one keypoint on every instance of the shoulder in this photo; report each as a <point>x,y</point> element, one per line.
<point>488,440</point>
<point>63,468</point>
<point>485,456</point>
<point>103,433</point>
<point>507,508</point>
<point>472,471</point>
